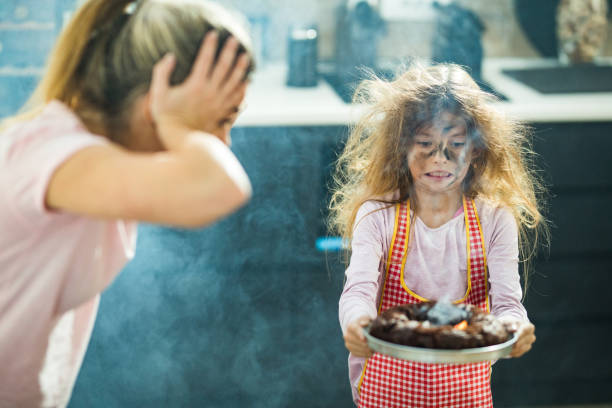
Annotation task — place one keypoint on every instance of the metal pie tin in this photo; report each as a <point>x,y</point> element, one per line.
<point>440,356</point>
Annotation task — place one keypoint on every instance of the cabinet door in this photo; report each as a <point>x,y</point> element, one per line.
<point>567,299</point>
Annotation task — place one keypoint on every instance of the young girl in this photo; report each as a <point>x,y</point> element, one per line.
<point>433,193</point>
<point>130,122</point>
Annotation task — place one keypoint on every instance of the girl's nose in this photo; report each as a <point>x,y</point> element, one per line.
<point>441,153</point>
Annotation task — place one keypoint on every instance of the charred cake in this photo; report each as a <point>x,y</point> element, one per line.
<point>439,325</point>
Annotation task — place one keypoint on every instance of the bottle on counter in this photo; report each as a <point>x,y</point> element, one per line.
<point>581,30</point>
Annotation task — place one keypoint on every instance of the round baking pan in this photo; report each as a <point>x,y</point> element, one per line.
<point>427,355</point>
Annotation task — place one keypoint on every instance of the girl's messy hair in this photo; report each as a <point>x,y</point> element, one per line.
<point>373,164</point>
<point>104,58</point>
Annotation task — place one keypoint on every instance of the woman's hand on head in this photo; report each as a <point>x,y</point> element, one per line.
<point>209,97</point>
<point>355,340</point>
<point>526,334</point>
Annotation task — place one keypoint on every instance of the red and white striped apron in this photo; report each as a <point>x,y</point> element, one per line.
<point>387,382</point>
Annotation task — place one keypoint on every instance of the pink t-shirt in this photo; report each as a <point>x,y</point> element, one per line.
<point>53,265</point>
<point>436,264</point>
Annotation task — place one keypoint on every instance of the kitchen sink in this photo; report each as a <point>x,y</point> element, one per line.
<point>565,79</point>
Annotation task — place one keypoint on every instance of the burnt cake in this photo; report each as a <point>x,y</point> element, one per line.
<point>439,325</point>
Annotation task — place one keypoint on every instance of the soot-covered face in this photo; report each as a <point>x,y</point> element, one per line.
<point>440,154</point>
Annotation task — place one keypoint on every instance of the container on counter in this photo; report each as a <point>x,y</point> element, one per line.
<point>581,30</point>
<point>302,57</point>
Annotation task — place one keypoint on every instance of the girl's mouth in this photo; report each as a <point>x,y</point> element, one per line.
<point>439,175</point>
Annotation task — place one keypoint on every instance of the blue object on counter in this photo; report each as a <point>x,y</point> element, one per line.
<point>331,244</point>
<point>302,57</point>
<point>458,38</point>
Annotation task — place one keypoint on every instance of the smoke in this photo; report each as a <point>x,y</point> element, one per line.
<point>444,312</point>
<point>242,313</point>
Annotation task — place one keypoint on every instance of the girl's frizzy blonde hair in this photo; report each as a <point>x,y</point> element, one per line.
<point>104,58</point>
<point>373,164</point>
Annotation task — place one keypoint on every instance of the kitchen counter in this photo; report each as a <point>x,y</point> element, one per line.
<point>270,102</point>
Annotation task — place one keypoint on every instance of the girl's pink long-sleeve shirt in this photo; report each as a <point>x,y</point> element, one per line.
<point>53,265</point>
<point>436,264</point>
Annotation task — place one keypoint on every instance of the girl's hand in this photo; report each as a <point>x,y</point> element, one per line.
<point>354,339</point>
<point>525,331</point>
<point>207,99</point>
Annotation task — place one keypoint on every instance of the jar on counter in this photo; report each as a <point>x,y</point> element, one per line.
<point>302,57</point>
<point>581,30</point>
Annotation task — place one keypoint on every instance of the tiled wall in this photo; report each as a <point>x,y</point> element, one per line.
<point>27,31</point>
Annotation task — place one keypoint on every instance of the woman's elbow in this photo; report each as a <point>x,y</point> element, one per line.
<point>238,192</point>
<point>245,191</point>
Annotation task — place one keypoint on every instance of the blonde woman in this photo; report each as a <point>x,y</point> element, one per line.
<point>130,122</point>
<point>431,163</point>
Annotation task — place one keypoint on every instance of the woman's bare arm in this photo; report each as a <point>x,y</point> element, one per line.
<point>195,181</point>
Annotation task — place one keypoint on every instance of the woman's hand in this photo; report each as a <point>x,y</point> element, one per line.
<point>526,335</point>
<point>207,100</point>
<point>354,339</point>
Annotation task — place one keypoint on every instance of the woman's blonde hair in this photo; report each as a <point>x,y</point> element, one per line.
<point>104,58</point>
<point>373,164</point>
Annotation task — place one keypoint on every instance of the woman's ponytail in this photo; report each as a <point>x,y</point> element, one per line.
<point>103,60</point>
<point>61,79</point>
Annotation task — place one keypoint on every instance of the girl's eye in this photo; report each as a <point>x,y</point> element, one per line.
<point>458,144</point>
<point>424,144</point>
